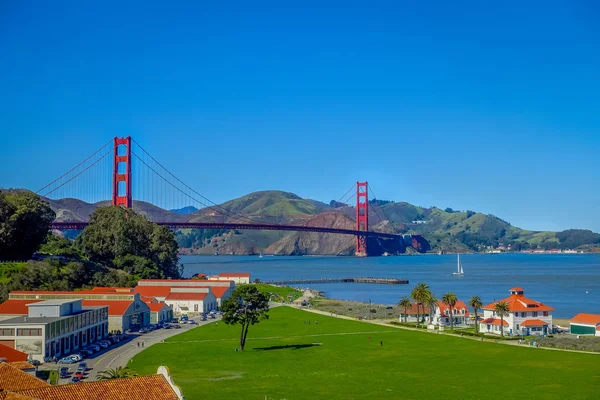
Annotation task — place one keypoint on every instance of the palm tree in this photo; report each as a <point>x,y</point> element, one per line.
<point>450,299</point>
<point>114,373</point>
<point>419,294</point>
<point>405,303</point>
<point>476,304</point>
<point>432,302</point>
<point>502,309</point>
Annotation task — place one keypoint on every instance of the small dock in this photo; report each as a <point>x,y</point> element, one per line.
<point>386,281</point>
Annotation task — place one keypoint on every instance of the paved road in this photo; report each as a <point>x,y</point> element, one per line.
<point>119,355</point>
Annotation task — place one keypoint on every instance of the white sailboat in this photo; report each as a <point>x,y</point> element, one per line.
<point>459,268</point>
<point>260,255</point>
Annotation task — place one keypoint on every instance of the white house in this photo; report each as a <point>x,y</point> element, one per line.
<point>526,317</point>
<point>239,278</point>
<point>191,300</point>
<point>585,324</point>
<point>460,314</point>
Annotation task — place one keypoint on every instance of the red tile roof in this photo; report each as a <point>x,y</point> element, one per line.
<point>458,306</point>
<point>598,328</point>
<point>16,307</point>
<point>153,387</point>
<point>517,289</point>
<point>219,291</point>
<point>115,307</point>
<point>22,365</point>
<point>236,274</point>
<point>112,289</point>
<point>518,302</point>
<point>412,310</point>
<point>12,355</point>
<point>493,321</point>
<point>13,379</point>
<point>534,322</point>
<point>186,296</point>
<point>587,319</point>
<point>153,291</point>
<point>156,307</point>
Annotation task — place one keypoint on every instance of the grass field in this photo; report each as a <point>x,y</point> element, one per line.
<point>283,293</point>
<point>281,361</point>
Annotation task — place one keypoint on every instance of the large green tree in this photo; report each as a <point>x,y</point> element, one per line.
<point>120,238</point>
<point>24,223</point>
<point>420,293</point>
<point>246,306</point>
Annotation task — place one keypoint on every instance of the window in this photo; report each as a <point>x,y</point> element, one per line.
<point>517,326</point>
<point>535,313</point>
<point>7,332</point>
<point>29,332</point>
<point>196,307</point>
<point>545,313</point>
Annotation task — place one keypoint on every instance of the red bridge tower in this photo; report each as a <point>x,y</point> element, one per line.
<point>362,216</point>
<point>122,172</point>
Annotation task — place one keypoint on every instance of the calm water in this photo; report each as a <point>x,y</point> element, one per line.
<point>570,283</point>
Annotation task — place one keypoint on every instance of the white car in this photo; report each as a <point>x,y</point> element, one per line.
<point>76,357</point>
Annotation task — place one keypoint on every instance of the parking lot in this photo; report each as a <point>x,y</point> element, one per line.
<point>120,353</point>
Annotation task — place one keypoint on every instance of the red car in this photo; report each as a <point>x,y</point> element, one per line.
<point>177,326</point>
<point>78,375</point>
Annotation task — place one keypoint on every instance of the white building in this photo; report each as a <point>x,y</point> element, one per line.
<point>54,328</point>
<point>191,300</point>
<point>239,278</point>
<point>460,314</point>
<point>526,317</point>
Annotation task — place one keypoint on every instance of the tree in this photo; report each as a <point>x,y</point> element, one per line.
<point>502,309</point>
<point>24,223</point>
<point>450,300</point>
<point>476,303</point>
<point>115,373</point>
<point>246,306</point>
<point>120,238</point>
<point>405,304</point>
<point>432,302</point>
<point>419,295</point>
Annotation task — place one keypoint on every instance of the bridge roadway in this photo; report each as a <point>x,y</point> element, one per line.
<point>241,226</point>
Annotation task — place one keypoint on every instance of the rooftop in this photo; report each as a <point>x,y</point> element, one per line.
<point>25,320</point>
<point>237,274</point>
<point>534,322</point>
<point>518,302</point>
<point>115,307</point>
<point>587,319</point>
<point>12,355</point>
<point>13,379</point>
<point>219,291</point>
<point>154,387</point>
<point>15,307</point>
<point>186,296</point>
<point>53,302</point>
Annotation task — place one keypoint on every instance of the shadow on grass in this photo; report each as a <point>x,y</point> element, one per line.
<point>286,347</point>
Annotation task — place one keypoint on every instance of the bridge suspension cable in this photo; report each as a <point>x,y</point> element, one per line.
<point>382,211</point>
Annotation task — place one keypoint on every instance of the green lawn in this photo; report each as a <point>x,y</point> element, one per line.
<point>283,292</point>
<point>282,362</point>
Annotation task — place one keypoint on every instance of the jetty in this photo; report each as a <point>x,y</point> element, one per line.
<point>387,281</point>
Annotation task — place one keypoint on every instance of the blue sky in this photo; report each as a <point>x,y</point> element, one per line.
<point>492,108</point>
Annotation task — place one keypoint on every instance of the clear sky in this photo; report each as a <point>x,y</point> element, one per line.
<point>493,108</point>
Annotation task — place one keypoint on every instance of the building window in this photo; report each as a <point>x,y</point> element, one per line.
<point>545,313</point>
<point>517,326</point>
<point>7,332</point>
<point>535,313</point>
<point>29,332</point>
<point>195,307</point>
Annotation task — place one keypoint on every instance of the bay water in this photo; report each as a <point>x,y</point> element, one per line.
<point>568,282</point>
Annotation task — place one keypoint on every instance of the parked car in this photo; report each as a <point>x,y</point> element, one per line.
<point>167,326</point>
<point>95,347</point>
<point>211,316</point>
<point>75,379</point>
<point>87,352</point>
<point>67,360</point>
<point>76,357</point>
<point>63,372</point>
<point>106,342</point>
<point>35,363</point>
<point>78,375</point>
<point>192,322</point>
<point>177,326</point>
<point>142,330</point>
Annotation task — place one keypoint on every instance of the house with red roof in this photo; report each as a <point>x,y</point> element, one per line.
<point>526,316</point>
<point>459,313</point>
<point>191,300</point>
<point>585,324</point>
<point>159,312</point>
<point>410,314</point>
<point>238,277</point>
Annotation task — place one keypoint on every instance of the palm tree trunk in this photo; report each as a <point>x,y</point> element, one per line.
<point>502,326</point>
<point>451,319</point>
<point>476,322</point>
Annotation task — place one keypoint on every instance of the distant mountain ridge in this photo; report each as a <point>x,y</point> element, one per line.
<point>445,230</point>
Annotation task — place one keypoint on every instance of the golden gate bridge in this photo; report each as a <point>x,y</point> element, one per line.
<point>122,168</point>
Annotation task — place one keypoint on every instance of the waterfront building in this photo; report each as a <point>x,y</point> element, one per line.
<point>413,312</point>
<point>239,278</point>
<point>54,328</point>
<point>585,324</point>
<point>127,311</point>
<point>460,314</point>
<point>526,317</point>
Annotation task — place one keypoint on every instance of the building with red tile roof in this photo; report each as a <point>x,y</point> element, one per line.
<point>12,379</point>
<point>18,385</point>
<point>14,308</point>
<point>192,302</point>
<point>460,314</point>
<point>8,354</point>
<point>585,324</point>
<point>526,316</point>
<point>239,278</point>
<point>413,312</point>
<point>221,293</point>
<point>124,315</point>
<point>160,312</point>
